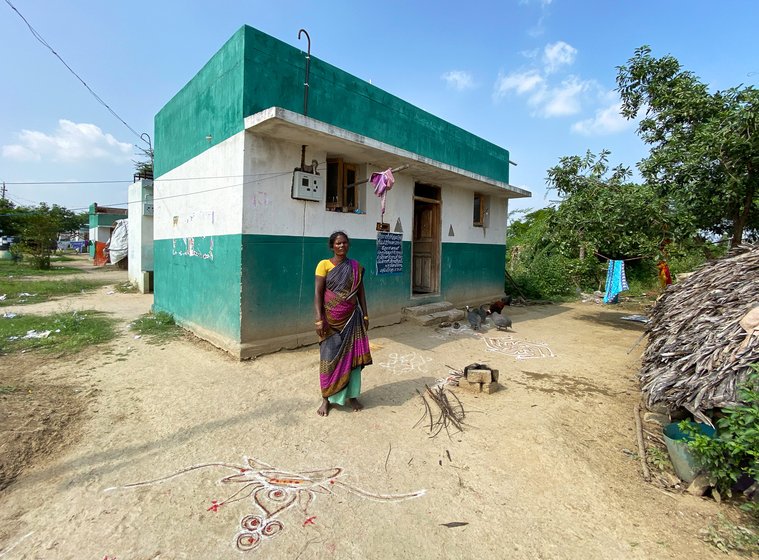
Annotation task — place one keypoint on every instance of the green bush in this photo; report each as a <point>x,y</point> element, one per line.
<point>547,276</point>
<point>734,450</point>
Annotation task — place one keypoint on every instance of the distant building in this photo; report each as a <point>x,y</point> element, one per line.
<point>101,220</point>
<point>238,234</point>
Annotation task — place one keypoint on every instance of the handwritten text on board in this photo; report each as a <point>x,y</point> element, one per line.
<point>389,253</point>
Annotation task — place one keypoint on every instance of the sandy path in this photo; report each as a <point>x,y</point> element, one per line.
<point>542,472</point>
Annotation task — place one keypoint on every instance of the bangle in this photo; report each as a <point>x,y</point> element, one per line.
<point>319,323</point>
<point>366,318</point>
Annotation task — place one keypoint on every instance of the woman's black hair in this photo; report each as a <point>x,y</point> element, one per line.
<point>334,236</point>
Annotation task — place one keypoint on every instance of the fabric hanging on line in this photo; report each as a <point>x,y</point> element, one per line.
<point>616,281</point>
<point>665,278</point>
<point>382,182</point>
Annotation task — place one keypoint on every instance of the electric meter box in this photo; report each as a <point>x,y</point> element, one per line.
<point>308,186</point>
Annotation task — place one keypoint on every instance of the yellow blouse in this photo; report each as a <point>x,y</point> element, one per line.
<point>324,267</point>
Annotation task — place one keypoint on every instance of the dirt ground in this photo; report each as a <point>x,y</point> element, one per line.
<point>545,469</point>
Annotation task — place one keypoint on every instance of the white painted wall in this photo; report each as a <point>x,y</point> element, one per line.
<point>458,205</point>
<point>140,241</point>
<point>202,197</point>
<point>243,185</point>
<point>269,208</point>
<point>100,233</point>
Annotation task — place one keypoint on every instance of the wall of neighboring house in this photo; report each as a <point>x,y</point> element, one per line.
<point>100,227</point>
<point>140,245</point>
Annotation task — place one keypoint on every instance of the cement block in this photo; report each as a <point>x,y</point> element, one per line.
<point>471,387</point>
<point>489,388</point>
<point>479,376</point>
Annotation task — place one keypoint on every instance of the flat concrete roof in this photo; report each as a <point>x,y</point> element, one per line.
<point>282,124</point>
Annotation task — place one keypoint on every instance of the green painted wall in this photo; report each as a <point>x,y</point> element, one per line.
<point>469,271</point>
<point>202,291</point>
<point>254,71</point>
<point>211,103</point>
<point>258,278</point>
<point>274,75</point>
<point>278,300</point>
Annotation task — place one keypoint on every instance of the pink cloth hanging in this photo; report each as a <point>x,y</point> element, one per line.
<point>382,182</point>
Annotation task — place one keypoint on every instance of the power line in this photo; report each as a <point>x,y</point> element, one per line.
<point>95,95</point>
<point>260,180</point>
<point>107,181</point>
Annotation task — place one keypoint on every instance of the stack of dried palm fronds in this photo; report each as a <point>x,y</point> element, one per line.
<point>698,353</point>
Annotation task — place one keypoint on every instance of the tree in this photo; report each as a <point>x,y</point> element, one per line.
<point>39,228</point>
<point>704,146</point>
<point>8,218</point>
<point>603,212</point>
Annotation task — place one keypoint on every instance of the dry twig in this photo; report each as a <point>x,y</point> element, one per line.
<point>449,415</point>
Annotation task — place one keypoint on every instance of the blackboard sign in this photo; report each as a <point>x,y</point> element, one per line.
<point>389,253</point>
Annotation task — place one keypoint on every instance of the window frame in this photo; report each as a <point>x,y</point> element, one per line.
<point>338,184</point>
<point>479,221</point>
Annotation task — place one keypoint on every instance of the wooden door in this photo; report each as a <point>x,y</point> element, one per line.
<point>425,248</point>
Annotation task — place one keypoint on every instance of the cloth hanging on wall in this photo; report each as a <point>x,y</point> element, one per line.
<point>382,182</point>
<point>616,281</point>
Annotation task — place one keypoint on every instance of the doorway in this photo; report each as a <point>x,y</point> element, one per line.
<point>425,245</point>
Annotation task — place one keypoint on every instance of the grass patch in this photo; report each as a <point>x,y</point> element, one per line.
<point>20,292</point>
<point>157,328</point>
<point>7,389</point>
<point>66,332</point>
<point>9,269</point>
<point>126,288</point>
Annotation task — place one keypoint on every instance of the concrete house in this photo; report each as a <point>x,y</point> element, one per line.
<point>238,231</point>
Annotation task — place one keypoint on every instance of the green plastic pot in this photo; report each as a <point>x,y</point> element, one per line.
<point>681,456</point>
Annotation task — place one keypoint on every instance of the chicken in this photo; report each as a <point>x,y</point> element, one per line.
<point>483,313</point>
<point>497,306</point>
<point>501,322</point>
<point>474,318</point>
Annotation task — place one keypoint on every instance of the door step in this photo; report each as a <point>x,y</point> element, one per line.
<point>432,313</point>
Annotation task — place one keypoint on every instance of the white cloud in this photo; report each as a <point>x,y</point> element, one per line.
<point>607,120</point>
<point>521,82</point>
<point>459,80</point>
<point>547,101</point>
<point>541,3</point>
<point>20,153</point>
<point>556,55</point>
<point>70,142</point>
<point>566,99</point>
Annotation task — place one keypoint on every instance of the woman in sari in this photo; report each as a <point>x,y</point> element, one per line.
<point>341,323</point>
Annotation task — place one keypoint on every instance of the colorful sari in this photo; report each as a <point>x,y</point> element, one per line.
<point>345,346</point>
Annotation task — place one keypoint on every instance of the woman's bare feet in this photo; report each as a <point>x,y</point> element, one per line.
<point>324,408</point>
<point>355,405</point>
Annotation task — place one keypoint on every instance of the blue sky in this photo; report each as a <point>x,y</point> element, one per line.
<point>534,76</point>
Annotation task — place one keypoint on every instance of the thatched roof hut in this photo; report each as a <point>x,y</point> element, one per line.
<point>703,335</point>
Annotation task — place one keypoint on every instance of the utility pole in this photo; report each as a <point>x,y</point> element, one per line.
<point>3,190</point>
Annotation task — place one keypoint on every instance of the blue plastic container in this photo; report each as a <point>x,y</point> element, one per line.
<point>682,458</point>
